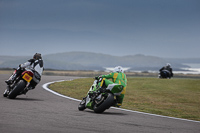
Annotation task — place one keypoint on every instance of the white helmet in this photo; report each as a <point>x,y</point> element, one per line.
<point>118,69</point>
<point>168,65</point>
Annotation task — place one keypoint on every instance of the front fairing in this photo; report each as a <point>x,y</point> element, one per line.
<point>89,102</point>
<point>93,88</point>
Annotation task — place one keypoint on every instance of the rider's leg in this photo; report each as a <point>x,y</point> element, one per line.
<point>14,76</point>
<point>104,83</point>
<point>120,97</point>
<point>30,87</point>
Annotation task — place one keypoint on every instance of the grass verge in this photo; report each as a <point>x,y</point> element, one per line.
<point>169,97</point>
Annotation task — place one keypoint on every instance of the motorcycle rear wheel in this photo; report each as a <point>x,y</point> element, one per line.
<point>105,104</point>
<point>17,89</point>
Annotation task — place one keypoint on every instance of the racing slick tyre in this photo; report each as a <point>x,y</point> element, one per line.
<point>81,106</point>
<point>17,89</point>
<point>108,101</point>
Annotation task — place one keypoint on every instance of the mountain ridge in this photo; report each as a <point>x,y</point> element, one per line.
<point>78,60</point>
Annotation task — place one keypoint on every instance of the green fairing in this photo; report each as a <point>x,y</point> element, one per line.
<point>89,105</point>
<point>93,88</point>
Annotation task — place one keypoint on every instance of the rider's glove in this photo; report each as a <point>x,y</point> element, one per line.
<point>97,77</point>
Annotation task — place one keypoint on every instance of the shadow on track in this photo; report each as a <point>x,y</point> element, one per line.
<point>27,99</point>
<point>105,113</point>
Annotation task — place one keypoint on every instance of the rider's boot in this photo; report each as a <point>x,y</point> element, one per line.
<point>31,87</point>
<point>116,104</point>
<point>11,79</point>
<point>25,91</point>
<point>118,101</point>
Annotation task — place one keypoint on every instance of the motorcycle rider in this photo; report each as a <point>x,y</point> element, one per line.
<point>118,77</point>
<point>168,69</point>
<point>36,65</point>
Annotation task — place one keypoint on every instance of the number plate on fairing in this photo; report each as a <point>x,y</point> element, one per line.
<point>27,77</point>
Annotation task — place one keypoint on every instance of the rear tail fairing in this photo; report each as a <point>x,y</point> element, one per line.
<point>116,89</point>
<point>27,76</point>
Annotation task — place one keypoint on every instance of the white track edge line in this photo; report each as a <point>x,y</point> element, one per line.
<point>45,86</point>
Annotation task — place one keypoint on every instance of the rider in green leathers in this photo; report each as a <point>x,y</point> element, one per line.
<point>118,77</point>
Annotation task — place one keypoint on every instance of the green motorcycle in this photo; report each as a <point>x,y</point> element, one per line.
<point>100,98</point>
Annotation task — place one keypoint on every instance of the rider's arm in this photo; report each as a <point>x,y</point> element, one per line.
<point>161,69</point>
<point>125,79</point>
<point>28,63</point>
<point>107,76</point>
<point>171,72</point>
<point>25,64</point>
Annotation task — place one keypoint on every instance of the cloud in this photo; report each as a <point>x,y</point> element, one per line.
<point>128,27</point>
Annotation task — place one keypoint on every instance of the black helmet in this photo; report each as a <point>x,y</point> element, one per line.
<point>37,56</point>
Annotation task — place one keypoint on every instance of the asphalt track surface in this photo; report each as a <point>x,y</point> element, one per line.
<point>40,111</point>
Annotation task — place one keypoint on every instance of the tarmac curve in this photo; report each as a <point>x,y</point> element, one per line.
<point>40,111</point>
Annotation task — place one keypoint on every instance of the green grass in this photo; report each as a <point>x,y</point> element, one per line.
<point>170,97</point>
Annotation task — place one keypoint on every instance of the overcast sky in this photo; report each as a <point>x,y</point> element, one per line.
<point>163,28</point>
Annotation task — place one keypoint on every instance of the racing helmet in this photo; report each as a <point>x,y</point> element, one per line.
<point>118,69</point>
<point>168,65</point>
<point>37,56</point>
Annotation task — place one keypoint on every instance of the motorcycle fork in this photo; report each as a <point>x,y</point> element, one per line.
<point>15,81</point>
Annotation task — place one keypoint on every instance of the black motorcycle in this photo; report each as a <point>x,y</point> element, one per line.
<point>165,74</point>
<point>21,83</point>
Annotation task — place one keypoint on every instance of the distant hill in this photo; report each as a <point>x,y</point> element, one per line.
<point>12,61</point>
<point>94,61</point>
<point>184,60</point>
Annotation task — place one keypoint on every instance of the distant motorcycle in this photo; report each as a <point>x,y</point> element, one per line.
<point>100,99</point>
<point>20,84</point>
<point>165,74</point>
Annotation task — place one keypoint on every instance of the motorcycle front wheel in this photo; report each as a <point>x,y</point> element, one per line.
<point>17,89</point>
<point>108,101</point>
<point>81,106</point>
<point>5,94</point>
